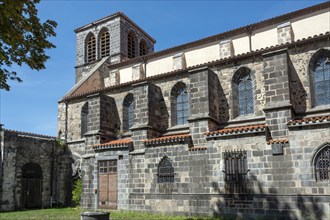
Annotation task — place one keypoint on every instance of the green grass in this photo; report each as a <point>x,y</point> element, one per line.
<point>74,214</point>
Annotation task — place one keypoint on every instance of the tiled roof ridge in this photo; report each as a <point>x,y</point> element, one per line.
<point>277,141</point>
<point>118,13</point>
<point>168,138</point>
<point>310,120</point>
<point>197,148</point>
<point>236,129</point>
<point>29,133</point>
<point>114,143</point>
<point>214,62</point>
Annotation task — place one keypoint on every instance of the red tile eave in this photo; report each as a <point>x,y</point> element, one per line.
<point>215,62</point>
<point>310,120</point>
<point>167,138</point>
<point>114,143</point>
<point>237,129</point>
<point>277,141</point>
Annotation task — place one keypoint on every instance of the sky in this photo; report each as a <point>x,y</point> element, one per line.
<point>31,106</point>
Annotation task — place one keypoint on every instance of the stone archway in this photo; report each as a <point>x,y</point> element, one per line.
<point>31,186</point>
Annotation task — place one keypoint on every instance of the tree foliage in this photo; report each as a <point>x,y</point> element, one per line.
<point>23,38</point>
<point>76,192</point>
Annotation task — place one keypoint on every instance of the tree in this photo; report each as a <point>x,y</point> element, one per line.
<point>23,38</point>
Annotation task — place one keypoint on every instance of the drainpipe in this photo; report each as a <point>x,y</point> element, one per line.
<point>52,175</point>
<point>248,30</point>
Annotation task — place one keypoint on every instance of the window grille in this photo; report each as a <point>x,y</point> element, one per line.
<point>182,106</point>
<point>84,119</point>
<point>108,167</point>
<point>165,171</point>
<point>91,49</point>
<point>105,44</point>
<point>128,114</point>
<point>131,45</point>
<point>245,94</point>
<point>143,48</point>
<point>321,79</point>
<point>235,171</point>
<point>322,164</point>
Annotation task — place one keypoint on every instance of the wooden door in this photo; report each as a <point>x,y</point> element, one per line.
<point>31,193</point>
<point>108,181</point>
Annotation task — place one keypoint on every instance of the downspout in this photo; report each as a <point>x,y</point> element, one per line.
<point>248,30</point>
<point>66,122</point>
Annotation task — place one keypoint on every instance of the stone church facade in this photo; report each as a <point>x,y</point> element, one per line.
<point>232,124</point>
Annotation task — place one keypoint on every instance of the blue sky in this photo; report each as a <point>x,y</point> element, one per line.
<point>31,106</point>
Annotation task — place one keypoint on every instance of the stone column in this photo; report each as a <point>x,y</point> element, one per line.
<point>201,110</point>
<point>277,90</point>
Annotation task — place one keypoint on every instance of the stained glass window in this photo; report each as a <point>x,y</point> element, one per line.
<point>321,78</point>
<point>128,112</point>
<point>245,94</point>
<point>182,106</point>
<point>84,119</point>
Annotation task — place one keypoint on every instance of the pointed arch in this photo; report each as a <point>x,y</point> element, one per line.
<point>90,48</point>
<point>143,47</point>
<point>165,171</point>
<point>131,39</point>
<point>319,75</point>
<point>104,43</point>
<point>321,163</point>
<point>242,89</point>
<point>179,104</point>
<point>84,119</point>
<point>128,112</point>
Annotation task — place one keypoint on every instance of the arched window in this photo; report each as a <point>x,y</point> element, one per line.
<point>179,104</point>
<point>104,42</point>
<point>322,164</point>
<point>131,45</point>
<point>320,78</point>
<point>165,171</point>
<point>243,92</point>
<point>128,112</point>
<point>90,48</point>
<point>143,47</point>
<point>84,119</point>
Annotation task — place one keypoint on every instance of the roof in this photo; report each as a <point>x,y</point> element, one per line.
<point>278,141</point>
<point>237,130</point>
<point>30,134</point>
<point>107,18</point>
<point>197,148</point>
<point>120,143</point>
<point>211,63</point>
<point>310,120</point>
<point>167,139</point>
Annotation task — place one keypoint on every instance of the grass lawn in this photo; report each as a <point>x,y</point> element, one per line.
<point>74,214</point>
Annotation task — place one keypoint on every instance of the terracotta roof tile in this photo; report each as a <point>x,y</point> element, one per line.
<point>237,130</point>
<point>197,148</point>
<point>167,139</point>
<point>310,120</point>
<point>277,141</point>
<point>114,144</point>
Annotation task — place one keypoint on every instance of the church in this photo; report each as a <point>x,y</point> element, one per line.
<point>232,124</point>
